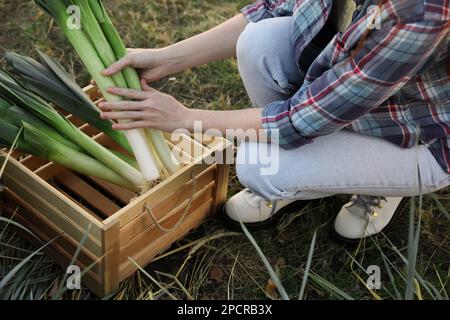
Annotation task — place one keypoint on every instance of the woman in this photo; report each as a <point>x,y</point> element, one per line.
<point>356,93</point>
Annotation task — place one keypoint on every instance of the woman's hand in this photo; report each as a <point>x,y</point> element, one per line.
<point>149,109</point>
<point>153,109</point>
<point>152,64</point>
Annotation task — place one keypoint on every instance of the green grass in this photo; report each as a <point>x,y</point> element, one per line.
<point>212,263</point>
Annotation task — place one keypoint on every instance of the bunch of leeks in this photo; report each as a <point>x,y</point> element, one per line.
<point>99,45</point>
<point>40,130</point>
<point>51,82</point>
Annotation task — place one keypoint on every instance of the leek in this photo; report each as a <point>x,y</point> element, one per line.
<point>40,109</point>
<point>168,160</point>
<point>132,162</point>
<point>15,116</point>
<point>9,133</point>
<point>51,146</point>
<point>132,79</point>
<point>58,153</point>
<point>93,30</point>
<point>54,84</point>
<point>94,65</point>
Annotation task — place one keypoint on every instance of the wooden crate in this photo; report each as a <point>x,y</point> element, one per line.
<point>61,206</point>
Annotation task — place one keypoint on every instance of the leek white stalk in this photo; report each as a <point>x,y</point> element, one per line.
<point>132,79</point>
<point>95,66</point>
<point>136,138</point>
<point>163,151</point>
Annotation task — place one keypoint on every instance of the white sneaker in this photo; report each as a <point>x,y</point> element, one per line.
<point>252,209</point>
<point>365,216</point>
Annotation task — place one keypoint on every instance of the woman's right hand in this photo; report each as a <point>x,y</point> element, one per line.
<point>152,64</point>
<point>216,44</point>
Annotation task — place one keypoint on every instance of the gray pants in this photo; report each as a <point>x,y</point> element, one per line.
<point>339,163</point>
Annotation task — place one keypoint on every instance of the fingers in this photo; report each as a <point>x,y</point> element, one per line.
<point>129,93</point>
<point>128,115</point>
<point>133,94</point>
<point>118,66</point>
<point>132,125</point>
<point>120,105</point>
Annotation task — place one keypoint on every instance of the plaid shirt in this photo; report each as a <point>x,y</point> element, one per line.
<point>395,87</point>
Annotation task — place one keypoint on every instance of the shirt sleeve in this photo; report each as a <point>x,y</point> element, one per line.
<point>264,9</point>
<point>390,57</point>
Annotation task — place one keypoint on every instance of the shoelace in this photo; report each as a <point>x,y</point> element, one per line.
<point>272,205</point>
<point>367,203</point>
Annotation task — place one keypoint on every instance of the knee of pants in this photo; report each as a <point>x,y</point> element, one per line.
<point>247,48</point>
<point>264,54</point>
<point>265,38</point>
<point>250,53</point>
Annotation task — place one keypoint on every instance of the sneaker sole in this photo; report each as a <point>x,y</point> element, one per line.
<point>350,241</point>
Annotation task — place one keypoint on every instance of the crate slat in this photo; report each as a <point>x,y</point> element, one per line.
<point>16,154</point>
<point>75,121</point>
<point>92,92</point>
<point>63,258</point>
<point>110,264</point>
<point>75,200</point>
<point>187,144</point>
<point>49,171</point>
<point>171,200</point>
<point>57,216</point>
<point>181,156</point>
<point>32,219</point>
<point>141,256</point>
<point>90,131</point>
<point>86,192</point>
<point>73,211</point>
<point>222,175</point>
<point>33,163</point>
<point>121,194</point>
<point>144,223</point>
<point>150,198</point>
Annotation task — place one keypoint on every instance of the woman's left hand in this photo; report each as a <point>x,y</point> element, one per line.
<point>149,109</point>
